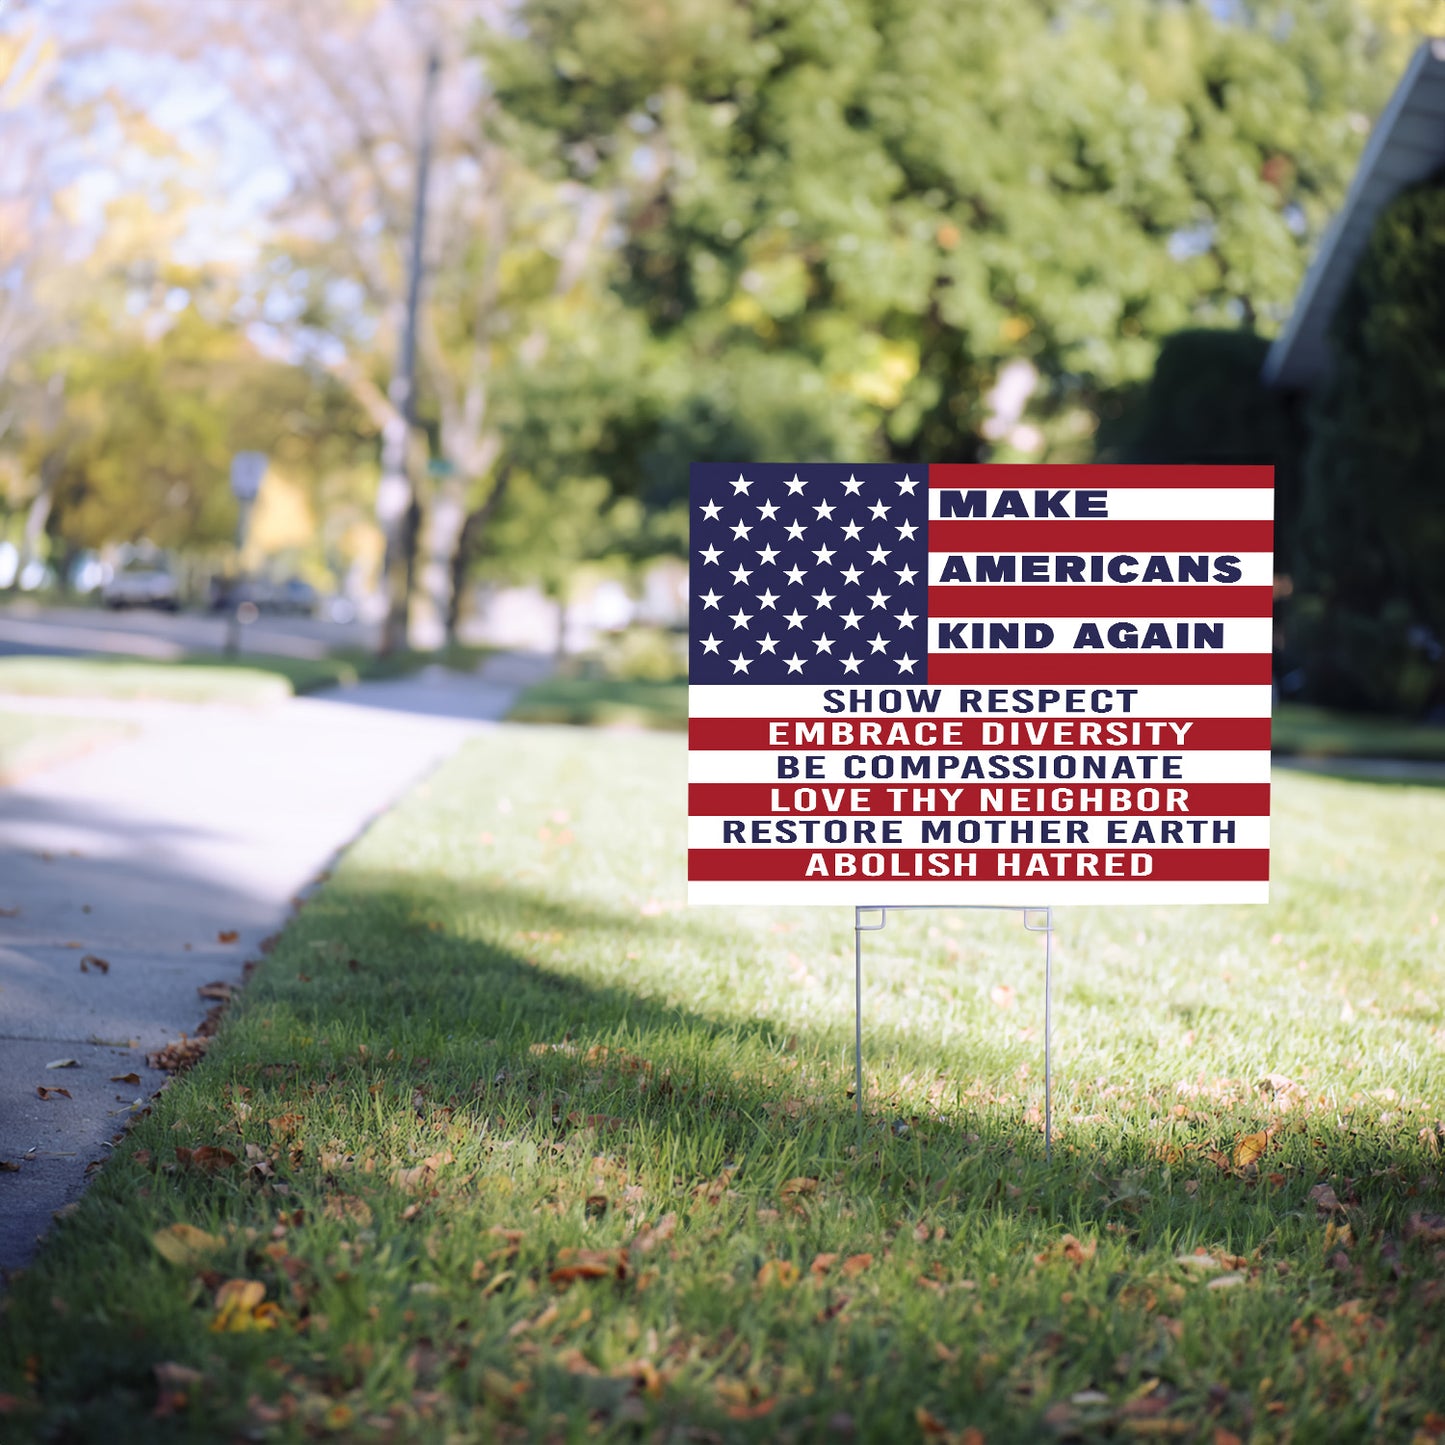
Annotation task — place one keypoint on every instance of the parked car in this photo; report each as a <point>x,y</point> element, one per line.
<point>141,582</point>
<point>290,597</point>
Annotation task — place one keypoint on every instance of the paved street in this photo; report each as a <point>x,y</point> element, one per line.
<point>208,820</point>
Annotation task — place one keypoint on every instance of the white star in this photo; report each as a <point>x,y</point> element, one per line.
<point>851,618</point>
<point>711,643</point>
<point>906,531</point>
<point>740,663</point>
<point>710,555</point>
<point>796,530</point>
<point>767,597</point>
<point>852,486</point>
<point>851,663</point>
<point>851,574</point>
<point>879,510</point>
<point>824,643</point>
<point>795,574</point>
<point>710,511</point>
<point>878,643</point>
<point>823,554</point>
<point>879,598</point>
<point>740,485</point>
<point>795,487</point>
<point>741,530</point>
<point>767,555</point>
<point>851,531</point>
<point>795,663</point>
<point>906,618</point>
<point>794,618</point>
<point>905,574</point>
<point>879,555</point>
<point>741,574</point>
<point>823,598</point>
<point>740,618</point>
<point>905,663</point>
<point>768,510</point>
<point>824,509</point>
<point>768,643</point>
<point>710,598</point>
<point>907,484</point>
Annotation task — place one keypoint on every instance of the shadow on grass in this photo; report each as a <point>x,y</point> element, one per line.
<point>422,1065</point>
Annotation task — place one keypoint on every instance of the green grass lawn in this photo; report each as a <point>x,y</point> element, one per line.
<point>248,679</point>
<point>503,1143</point>
<point>1320,733</point>
<point>29,741</point>
<point>591,702</point>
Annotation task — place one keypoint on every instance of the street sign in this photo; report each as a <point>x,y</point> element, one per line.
<point>247,471</point>
<point>980,684</point>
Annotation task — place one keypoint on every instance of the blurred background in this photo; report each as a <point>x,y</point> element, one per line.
<point>392,325</point>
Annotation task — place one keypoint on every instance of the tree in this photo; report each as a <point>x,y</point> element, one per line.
<point>1372,618</point>
<point>885,201</point>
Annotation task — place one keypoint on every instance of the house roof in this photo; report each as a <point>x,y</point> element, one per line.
<point>1406,145</point>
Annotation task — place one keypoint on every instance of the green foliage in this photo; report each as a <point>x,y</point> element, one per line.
<point>1372,620</point>
<point>898,196</point>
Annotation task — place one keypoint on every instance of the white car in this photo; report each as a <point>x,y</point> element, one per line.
<point>141,582</point>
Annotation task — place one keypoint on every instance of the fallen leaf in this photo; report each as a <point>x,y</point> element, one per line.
<point>1325,1198</point>
<point>822,1264</point>
<point>227,935</point>
<point>284,1124</point>
<point>63,1064</point>
<point>1249,1149</point>
<point>217,990</point>
<point>185,1245</point>
<point>208,1158</point>
<point>650,1236</point>
<point>241,1307</point>
<point>576,1264</point>
<point>346,1209</point>
<point>45,1093</point>
<point>782,1272</point>
<point>91,961</point>
<point>855,1264</point>
<point>929,1423</point>
<point>130,1078</point>
<point>1427,1228</point>
<point>792,1188</point>
<point>174,1383</point>
<point>1227,1281</point>
<point>421,1175</point>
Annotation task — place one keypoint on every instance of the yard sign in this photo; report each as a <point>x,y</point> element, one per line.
<point>979,684</point>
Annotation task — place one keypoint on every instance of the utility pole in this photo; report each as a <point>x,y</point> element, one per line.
<point>396,503</point>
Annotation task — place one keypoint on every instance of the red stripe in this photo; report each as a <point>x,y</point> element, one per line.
<point>1206,600</point>
<point>756,800</point>
<point>1025,475</point>
<point>1021,534</point>
<point>1100,669</point>
<point>1170,865</point>
<point>965,734</point>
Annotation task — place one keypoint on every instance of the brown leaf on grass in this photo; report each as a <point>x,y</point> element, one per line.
<point>184,1245</point>
<point>45,1093</point>
<point>174,1385</point>
<point>713,1191</point>
<point>91,962</point>
<point>421,1175</point>
<point>780,1272</point>
<point>822,1264</point>
<point>855,1264</point>
<point>933,1428</point>
<point>130,1078</point>
<point>651,1235</point>
<point>576,1264</point>
<point>208,1158</point>
<point>793,1188</point>
<point>1427,1228</point>
<point>285,1124</point>
<point>1074,1251</point>
<point>346,1209</point>
<point>1250,1149</point>
<point>217,990</point>
<point>1325,1199</point>
<point>227,935</point>
<point>241,1307</point>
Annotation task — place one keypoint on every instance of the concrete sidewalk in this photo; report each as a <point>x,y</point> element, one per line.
<point>145,854</point>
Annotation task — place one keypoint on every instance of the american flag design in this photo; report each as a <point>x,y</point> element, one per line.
<point>992,684</point>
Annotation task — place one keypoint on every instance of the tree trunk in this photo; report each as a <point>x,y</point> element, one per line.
<point>470,537</point>
<point>432,622</point>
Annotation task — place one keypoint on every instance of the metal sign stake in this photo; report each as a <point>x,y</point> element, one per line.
<point>1047,929</point>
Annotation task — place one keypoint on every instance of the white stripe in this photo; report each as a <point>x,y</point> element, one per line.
<point>1143,701</point>
<point>1249,832</point>
<point>1241,634</point>
<point>1256,570</point>
<point>705,766</point>
<point>1039,893</point>
<point>1135,504</point>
